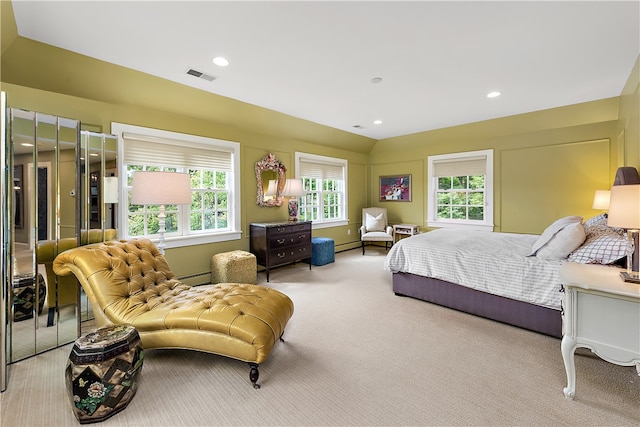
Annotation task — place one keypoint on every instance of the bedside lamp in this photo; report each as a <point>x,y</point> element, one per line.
<point>624,212</point>
<point>601,200</point>
<point>161,188</point>
<point>293,189</point>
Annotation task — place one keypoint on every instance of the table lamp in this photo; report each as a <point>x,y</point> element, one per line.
<point>161,188</point>
<point>292,189</point>
<point>601,200</point>
<point>624,212</point>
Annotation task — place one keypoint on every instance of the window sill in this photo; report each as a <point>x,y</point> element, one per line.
<point>184,241</point>
<point>327,224</point>
<point>470,226</point>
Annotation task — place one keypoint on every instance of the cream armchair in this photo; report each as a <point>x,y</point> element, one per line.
<point>375,228</point>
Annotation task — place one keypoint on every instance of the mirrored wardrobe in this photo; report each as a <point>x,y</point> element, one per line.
<point>62,192</point>
<point>43,309</point>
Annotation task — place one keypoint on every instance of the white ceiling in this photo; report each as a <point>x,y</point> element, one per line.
<point>315,59</point>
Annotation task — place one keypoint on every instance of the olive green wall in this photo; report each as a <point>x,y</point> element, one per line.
<point>547,164</point>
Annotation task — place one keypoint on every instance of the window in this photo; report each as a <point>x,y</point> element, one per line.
<point>325,183</point>
<point>460,190</point>
<point>213,168</point>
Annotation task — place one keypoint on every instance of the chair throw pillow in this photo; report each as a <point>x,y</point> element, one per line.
<point>374,223</point>
<point>552,230</point>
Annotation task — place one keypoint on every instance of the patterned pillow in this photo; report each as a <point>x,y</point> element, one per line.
<point>603,248</point>
<point>597,225</point>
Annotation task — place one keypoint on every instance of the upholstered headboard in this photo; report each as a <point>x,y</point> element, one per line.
<point>627,175</point>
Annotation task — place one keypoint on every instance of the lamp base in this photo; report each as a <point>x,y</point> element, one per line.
<point>293,209</point>
<point>632,277</point>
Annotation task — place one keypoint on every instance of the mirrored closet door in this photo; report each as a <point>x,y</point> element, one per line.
<point>61,189</point>
<point>43,310</point>
<point>98,175</point>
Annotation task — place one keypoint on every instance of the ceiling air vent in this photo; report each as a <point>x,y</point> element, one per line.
<point>200,75</point>
<point>358,126</point>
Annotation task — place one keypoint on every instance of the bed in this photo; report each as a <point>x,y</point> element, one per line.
<point>483,273</point>
<point>507,277</point>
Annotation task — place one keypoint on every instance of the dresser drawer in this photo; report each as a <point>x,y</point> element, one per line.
<point>289,228</point>
<point>289,254</point>
<point>279,240</point>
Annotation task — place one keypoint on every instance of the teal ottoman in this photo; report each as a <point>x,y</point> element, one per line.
<point>322,251</point>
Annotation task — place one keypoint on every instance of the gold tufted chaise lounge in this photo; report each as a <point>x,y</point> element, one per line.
<point>130,282</point>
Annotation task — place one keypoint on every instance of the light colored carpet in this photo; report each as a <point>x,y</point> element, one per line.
<point>355,354</point>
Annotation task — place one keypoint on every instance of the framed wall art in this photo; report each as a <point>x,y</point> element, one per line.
<point>395,188</point>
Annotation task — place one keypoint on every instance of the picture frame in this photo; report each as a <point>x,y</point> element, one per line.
<point>395,188</point>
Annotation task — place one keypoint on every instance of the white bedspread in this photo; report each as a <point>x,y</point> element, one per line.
<point>495,263</point>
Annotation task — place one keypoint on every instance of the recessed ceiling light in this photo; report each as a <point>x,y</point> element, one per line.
<point>377,122</point>
<point>220,61</point>
<point>376,80</point>
<point>493,94</point>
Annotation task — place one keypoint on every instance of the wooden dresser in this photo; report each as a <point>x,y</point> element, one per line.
<point>279,243</point>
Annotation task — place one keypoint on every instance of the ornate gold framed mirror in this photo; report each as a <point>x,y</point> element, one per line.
<point>270,174</point>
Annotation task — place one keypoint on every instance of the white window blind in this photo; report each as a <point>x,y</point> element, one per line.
<point>312,168</point>
<point>148,150</point>
<point>460,167</point>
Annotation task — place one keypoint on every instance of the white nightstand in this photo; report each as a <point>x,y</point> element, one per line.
<point>400,230</point>
<point>601,313</point>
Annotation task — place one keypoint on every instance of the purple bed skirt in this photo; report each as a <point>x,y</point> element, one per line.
<point>517,313</point>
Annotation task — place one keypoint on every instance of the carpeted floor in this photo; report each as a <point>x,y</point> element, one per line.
<point>355,354</point>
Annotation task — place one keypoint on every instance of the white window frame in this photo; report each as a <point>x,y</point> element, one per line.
<point>234,231</point>
<point>333,161</point>
<point>432,185</point>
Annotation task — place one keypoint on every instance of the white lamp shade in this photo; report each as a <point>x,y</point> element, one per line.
<point>161,188</point>
<point>110,189</point>
<point>293,188</point>
<point>601,200</point>
<point>624,207</point>
<point>271,188</point>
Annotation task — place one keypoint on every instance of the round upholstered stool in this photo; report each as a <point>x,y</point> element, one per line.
<point>102,371</point>
<point>234,267</point>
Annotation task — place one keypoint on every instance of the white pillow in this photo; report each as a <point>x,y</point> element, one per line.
<point>551,231</point>
<point>374,223</point>
<point>563,242</point>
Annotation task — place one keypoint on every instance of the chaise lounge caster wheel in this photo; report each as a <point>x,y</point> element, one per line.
<point>253,375</point>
